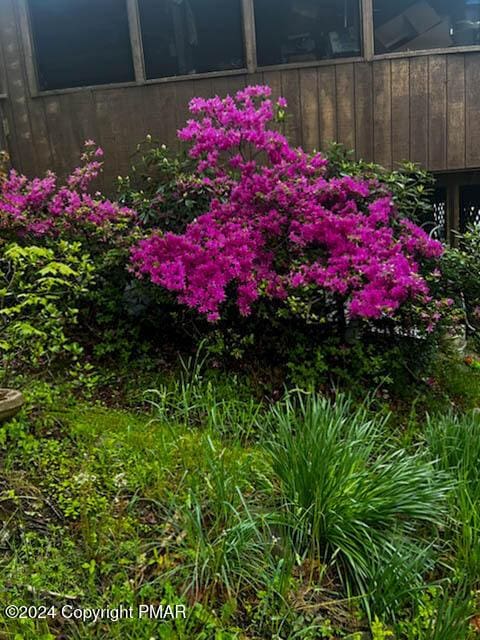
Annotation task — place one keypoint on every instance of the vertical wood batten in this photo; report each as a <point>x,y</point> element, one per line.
<point>82,106</point>
<point>184,92</point>
<point>400,70</point>
<point>60,127</point>
<point>274,80</point>
<point>161,113</point>
<point>136,113</point>
<point>419,110</point>
<point>41,139</point>
<point>229,85</point>
<point>345,100</point>
<point>136,40</point>
<point>113,109</point>
<point>291,91</point>
<point>363,111</point>
<point>254,78</point>
<point>472,105</point>
<point>327,104</point>
<point>309,108</point>
<point>456,112</point>
<point>382,113</point>
<point>437,110</point>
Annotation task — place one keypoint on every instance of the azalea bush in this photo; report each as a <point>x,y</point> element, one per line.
<point>41,208</point>
<point>261,247</point>
<point>411,187</point>
<point>280,229</point>
<point>44,215</point>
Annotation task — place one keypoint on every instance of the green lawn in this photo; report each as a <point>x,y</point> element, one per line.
<point>260,520</point>
<point>92,508</point>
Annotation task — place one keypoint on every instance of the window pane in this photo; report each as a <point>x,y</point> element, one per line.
<point>183,37</point>
<point>469,206</point>
<point>413,25</point>
<point>437,224</point>
<point>290,31</point>
<point>81,42</point>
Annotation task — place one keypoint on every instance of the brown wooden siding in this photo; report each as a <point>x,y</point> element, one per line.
<point>425,109</point>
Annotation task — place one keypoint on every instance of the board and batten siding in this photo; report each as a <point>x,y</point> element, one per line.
<point>423,108</point>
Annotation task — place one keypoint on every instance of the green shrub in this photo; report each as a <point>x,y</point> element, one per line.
<point>39,294</point>
<point>460,268</point>
<point>309,338</point>
<point>361,364</point>
<point>163,188</point>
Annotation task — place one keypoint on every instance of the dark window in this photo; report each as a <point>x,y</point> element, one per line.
<point>413,25</point>
<point>436,224</point>
<point>469,206</point>
<point>81,42</point>
<point>183,37</point>
<point>290,31</point>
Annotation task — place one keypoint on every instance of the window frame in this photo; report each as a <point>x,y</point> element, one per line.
<point>250,49</point>
<point>3,77</point>
<point>136,45</point>
<point>28,44</point>
<point>364,37</point>
<point>472,48</point>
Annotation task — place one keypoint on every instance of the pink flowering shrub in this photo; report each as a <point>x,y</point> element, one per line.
<point>42,214</point>
<point>40,208</point>
<point>285,227</point>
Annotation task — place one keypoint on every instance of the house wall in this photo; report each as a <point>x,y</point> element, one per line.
<point>422,108</point>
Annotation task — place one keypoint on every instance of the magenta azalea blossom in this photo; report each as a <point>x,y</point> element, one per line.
<point>39,208</point>
<point>284,225</point>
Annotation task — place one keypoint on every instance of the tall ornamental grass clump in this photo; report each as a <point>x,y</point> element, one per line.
<point>454,443</point>
<point>352,500</point>
<point>225,530</point>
